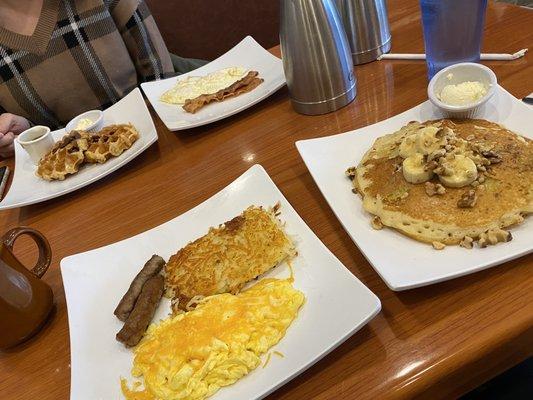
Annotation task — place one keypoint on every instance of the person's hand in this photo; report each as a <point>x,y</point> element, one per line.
<point>10,125</point>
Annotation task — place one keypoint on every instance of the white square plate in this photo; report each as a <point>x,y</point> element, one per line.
<point>27,188</point>
<point>401,262</point>
<point>248,54</point>
<point>337,303</point>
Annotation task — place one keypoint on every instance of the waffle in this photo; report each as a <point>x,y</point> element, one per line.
<point>65,157</point>
<point>110,142</point>
<point>80,147</point>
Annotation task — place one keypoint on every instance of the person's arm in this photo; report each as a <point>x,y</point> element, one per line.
<point>142,38</point>
<point>10,126</point>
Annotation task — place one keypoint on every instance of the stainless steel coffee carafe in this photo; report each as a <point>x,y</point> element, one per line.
<point>367,28</point>
<point>316,56</point>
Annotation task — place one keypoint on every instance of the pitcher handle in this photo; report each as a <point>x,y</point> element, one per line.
<point>45,253</point>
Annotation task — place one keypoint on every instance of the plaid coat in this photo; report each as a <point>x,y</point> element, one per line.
<point>83,54</point>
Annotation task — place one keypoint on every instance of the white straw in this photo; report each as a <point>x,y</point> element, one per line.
<point>484,56</point>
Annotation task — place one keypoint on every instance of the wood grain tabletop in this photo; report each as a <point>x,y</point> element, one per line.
<point>434,342</point>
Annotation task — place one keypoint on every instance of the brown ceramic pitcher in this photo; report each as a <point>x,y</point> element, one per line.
<point>25,300</point>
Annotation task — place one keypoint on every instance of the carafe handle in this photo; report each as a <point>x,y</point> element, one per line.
<point>45,253</point>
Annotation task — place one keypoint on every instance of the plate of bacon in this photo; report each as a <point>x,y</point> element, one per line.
<point>235,81</point>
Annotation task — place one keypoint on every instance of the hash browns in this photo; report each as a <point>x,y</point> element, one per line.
<point>227,257</point>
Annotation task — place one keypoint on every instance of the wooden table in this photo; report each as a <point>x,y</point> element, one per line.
<point>434,342</point>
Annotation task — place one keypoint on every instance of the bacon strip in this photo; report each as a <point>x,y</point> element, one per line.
<point>244,85</point>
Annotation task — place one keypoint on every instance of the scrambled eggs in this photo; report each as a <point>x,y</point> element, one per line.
<point>194,86</point>
<point>192,355</point>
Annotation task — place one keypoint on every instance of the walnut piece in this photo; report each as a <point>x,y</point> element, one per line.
<point>436,154</point>
<point>467,242</point>
<point>351,172</point>
<point>432,189</point>
<point>494,236</point>
<point>376,223</point>
<point>489,154</point>
<point>485,162</point>
<point>438,245</point>
<point>492,157</point>
<point>468,199</point>
<point>444,170</point>
<point>397,167</point>
<point>431,165</point>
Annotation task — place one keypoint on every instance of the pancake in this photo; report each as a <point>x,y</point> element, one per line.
<point>501,194</point>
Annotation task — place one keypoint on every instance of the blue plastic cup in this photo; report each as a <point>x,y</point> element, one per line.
<point>452,31</point>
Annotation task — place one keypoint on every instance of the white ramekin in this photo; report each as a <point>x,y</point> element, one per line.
<point>459,73</point>
<point>37,141</point>
<point>96,116</point>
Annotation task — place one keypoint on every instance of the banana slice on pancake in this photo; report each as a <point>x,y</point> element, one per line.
<point>408,146</point>
<point>462,171</point>
<point>429,140</point>
<point>414,169</point>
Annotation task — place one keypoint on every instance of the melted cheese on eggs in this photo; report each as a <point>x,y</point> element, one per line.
<point>194,86</point>
<point>192,355</point>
